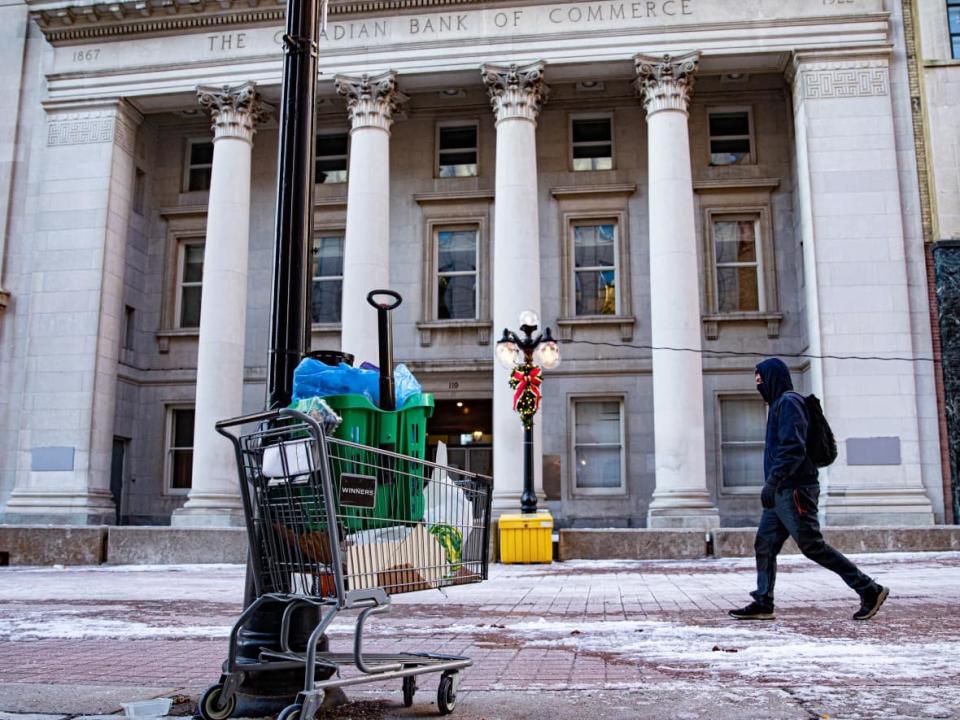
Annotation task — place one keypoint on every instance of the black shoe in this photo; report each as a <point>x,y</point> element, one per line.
<point>753,611</point>
<point>870,602</point>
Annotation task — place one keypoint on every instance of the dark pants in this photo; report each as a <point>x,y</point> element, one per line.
<point>795,515</point>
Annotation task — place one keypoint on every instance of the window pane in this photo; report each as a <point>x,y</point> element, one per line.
<point>743,420</point>
<point>457,297</point>
<point>190,306</point>
<point>591,130</point>
<point>596,292</point>
<point>456,250</point>
<point>183,428</point>
<point>452,138</point>
<point>602,163</point>
<point>465,170</point>
<point>743,466</point>
<point>593,245</point>
<point>182,472</point>
<point>199,180</point>
<point>598,467</point>
<point>192,263</point>
<point>597,422</point>
<point>591,151</point>
<point>326,300</point>
<point>954,14</point>
<point>735,241</point>
<point>458,158</point>
<point>201,153</point>
<point>737,289</point>
<point>735,123</point>
<point>729,152</point>
<point>328,255</point>
<point>326,173</point>
<point>331,144</point>
<point>956,47</point>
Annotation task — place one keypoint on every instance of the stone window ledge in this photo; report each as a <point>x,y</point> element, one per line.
<point>164,336</point>
<point>428,327</point>
<point>712,323</point>
<point>567,325</point>
<point>323,328</point>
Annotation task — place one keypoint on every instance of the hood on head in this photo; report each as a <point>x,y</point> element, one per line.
<point>776,379</point>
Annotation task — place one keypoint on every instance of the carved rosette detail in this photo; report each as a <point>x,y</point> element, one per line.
<point>234,109</point>
<point>372,101</point>
<point>516,91</point>
<point>665,82</point>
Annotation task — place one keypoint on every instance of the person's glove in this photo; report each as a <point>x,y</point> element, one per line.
<point>768,496</point>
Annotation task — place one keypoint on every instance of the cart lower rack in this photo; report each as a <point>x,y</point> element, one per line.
<point>338,526</point>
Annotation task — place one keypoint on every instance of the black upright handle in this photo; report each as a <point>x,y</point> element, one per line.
<point>388,398</point>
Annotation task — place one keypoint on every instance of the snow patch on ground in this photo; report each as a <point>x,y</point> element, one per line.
<point>65,624</point>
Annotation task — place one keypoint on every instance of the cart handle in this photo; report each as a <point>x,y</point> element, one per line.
<point>254,418</point>
<point>384,305</point>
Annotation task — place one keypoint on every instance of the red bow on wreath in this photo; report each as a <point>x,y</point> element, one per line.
<point>526,379</point>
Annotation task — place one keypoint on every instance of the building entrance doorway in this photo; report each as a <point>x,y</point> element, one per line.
<point>466,427</point>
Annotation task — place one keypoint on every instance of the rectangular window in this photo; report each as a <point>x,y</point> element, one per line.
<point>592,143</point>
<point>457,150</point>
<point>730,137</point>
<point>327,277</point>
<point>739,275</point>
<point>953,15</point>
<point>139,187</point>
<point>126,342</point>
<point>180,423</point>
<point>189,283</point>
<point>199,165</point>
<point>457,271</point>
<point>598,446</point>
<point>743,425</point>
<point>331,157</point>
<point>595,268</point>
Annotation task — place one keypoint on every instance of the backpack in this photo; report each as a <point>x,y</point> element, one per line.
<point>821,444</point>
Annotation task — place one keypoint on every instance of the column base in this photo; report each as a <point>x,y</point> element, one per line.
<point>210,510</point>
<point>690,509</point>
<point>29,507</point>
<point>510,502</point>
<point>876,506</point>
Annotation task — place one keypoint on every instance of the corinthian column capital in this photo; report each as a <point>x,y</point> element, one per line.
<point>665,82</point>
<point>235,109</point>
<point>516,91</point>
<point>371,101</point>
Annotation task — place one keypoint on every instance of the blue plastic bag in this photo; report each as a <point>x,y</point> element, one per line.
<point>314,379</point>
<point>405,384</point>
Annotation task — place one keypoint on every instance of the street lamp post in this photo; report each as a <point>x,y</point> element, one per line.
<point>524,355</point>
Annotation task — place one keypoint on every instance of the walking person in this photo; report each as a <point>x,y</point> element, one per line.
<point>789,497</point>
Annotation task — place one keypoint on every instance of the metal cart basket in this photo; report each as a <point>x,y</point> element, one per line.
<point>302,491</point>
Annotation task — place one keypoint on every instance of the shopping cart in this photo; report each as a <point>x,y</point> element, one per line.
<point>301,493</point>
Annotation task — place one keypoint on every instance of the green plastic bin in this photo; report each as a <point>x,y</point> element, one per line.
<point>399,497</point>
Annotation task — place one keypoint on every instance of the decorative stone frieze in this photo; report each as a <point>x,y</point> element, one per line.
<point>516,91</point>
<point>372,101</point>
<point>234,109</point>
<point>100,125</point>
<point>665,82</point>
<point>844,79</point>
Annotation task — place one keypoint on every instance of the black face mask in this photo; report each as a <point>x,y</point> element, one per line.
<point>762,389</point>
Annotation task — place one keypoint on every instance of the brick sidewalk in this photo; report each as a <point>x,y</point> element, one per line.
<point>616,627</point>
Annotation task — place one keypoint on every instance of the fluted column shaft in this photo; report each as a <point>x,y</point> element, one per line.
<point>681,498</point>
<point>517,94</point>
<point>373,103</point>
<point>215,495</point>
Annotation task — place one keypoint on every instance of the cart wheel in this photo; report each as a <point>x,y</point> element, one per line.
<point>409,688</point>
<point>290,712</point>
<point>447,694</point>
<point>211,707</point>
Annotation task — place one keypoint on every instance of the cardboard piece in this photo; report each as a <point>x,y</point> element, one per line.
<point>405,564</point>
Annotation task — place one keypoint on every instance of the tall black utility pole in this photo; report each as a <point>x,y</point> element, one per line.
<point>290,310</point>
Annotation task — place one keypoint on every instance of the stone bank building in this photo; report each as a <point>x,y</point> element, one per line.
<point>677,187</point>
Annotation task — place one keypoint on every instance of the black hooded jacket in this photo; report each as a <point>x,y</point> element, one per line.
<point>785,461</point>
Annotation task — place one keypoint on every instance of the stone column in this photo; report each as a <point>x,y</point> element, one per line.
<point>215,496</point>
<point>857,291</point>
<point>77,212</point>
<point>372,103</point>
<point>517,94</point>
<point>681,498</point>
